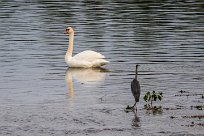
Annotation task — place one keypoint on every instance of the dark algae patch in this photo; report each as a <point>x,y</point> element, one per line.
<point>194,116</point>
<point>187,94</point>
<point>194,124</point>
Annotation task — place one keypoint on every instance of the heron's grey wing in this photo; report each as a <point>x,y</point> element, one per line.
<point>138,91</point>
<point>135,88</point>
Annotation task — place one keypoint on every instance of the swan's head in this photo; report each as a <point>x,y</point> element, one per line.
<point>69,30</point>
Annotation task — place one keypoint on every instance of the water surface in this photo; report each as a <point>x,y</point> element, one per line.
<point>40,96</point>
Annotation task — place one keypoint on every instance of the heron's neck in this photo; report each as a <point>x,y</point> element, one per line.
<point>136,73</point>
<point>70,45</point>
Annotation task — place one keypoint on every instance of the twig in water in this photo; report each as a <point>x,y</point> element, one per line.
<point>101,98</point>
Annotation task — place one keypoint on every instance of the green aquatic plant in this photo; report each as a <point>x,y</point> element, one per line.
<point>149,97</point>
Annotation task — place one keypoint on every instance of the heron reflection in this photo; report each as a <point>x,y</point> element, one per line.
<point>135,88</point>
<point>84,76</point>
<point>136,121</point>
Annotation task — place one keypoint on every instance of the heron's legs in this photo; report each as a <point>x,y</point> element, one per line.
<point>133,107</point>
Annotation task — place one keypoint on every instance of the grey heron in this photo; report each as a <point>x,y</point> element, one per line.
<point>135,88</point>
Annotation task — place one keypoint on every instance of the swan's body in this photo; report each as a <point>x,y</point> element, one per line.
<point>84,59</point>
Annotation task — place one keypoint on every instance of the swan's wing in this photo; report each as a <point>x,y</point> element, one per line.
<point>88,55</point>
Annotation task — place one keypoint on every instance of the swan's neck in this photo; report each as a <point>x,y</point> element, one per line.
<point>70,45</point>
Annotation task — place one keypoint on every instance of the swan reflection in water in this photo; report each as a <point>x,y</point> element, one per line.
<point>85,76</point>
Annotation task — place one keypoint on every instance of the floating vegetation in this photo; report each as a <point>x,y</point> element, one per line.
<point>171,108</point>
<point>150,97</point>
<point>129,109</point>
<point>194,116</point>
<point>186,93</point>
<point>153,109</point>
<point>183,91</point>
<point>198,107</point>
<point>172,117</point>
<point>194,124</point>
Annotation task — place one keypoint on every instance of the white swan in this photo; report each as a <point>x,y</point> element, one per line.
<point>84,59</point>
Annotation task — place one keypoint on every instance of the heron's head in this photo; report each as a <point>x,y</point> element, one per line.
<point>69,30</point>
